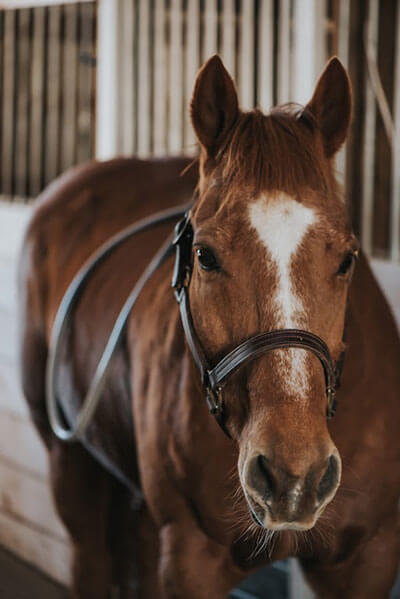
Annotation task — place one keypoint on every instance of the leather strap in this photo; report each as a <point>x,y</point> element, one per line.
<point>214,377</point>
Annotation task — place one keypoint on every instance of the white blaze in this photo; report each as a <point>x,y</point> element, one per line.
<point>281,224</point>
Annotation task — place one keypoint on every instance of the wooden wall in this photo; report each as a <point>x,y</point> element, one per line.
<point>47,99</point>
<point>28,523</point>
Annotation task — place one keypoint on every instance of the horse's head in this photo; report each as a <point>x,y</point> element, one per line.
<point>273,250</point>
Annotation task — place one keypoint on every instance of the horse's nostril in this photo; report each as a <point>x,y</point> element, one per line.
<point>266,477</point>
<point>329,480</point>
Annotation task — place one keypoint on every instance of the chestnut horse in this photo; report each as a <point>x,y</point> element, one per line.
<point>273,249</point>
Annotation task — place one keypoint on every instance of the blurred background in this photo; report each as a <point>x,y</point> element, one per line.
<point>97,79</point>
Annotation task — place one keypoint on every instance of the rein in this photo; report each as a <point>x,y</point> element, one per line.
<point>212,377</point>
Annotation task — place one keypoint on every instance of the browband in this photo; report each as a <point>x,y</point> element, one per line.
<point>213,377</point>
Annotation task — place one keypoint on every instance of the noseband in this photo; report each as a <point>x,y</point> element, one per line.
<point>214,377</point>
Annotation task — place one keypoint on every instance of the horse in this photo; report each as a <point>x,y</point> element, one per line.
<point>273,250</point>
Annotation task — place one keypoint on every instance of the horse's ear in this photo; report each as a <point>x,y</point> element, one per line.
<point>214,106</point>
<point>331,105</point>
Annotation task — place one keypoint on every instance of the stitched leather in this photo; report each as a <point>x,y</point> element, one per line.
<point>214,377</point>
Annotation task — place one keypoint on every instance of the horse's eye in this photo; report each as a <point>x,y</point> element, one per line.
<point>347,263</point>
<point>206,259</point>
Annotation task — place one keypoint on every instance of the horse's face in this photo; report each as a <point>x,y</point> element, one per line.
<point>273,251</point>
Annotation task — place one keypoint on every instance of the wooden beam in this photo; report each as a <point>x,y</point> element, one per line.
<point>9,4</point>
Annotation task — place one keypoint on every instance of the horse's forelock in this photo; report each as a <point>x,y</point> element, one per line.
<point>273,152</point>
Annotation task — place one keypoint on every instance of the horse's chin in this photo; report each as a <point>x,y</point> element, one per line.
<point>260,517</point>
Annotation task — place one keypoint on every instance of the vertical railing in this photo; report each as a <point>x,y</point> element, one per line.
<point>47,80</point>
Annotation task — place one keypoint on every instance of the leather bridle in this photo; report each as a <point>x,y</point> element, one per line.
<point>214,377</point>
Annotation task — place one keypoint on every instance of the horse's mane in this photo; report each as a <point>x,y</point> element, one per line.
<point>273,152</point>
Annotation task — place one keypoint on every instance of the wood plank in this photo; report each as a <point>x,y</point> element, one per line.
<point>160,80</point>
<point>210,21</point>
<point>284,54</point>
<point>343,27</point>
<point>266,55</point>
<point>29,500</point>
<point>9,344</point>
<point>383,152</point>
<point>51,555</point>
<point>175,86</point>
<point>69,87</point>
<point>127,67</point>
<point>192,63</point>
<point>18,580</point>
<point>369,133</point>
<point>144,80</point>
<point>52,149</point>
<point>8,115</point>
<point>20,444</point>
<point>37,97</point>
<point>228,46</point>
<point>246,56</point>
<point>22,116</point>
<point>86,70</point>
<point>11,395</point>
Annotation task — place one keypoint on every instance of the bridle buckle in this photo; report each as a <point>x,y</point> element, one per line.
<point>331,407</point>
<point>214,399</point>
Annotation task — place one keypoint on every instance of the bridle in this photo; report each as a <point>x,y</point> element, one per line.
<point>214,377</point>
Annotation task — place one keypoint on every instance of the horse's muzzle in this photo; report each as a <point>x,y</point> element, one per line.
<point>278,499</point>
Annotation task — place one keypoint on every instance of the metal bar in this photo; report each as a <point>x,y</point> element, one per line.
<point>369,134</point>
